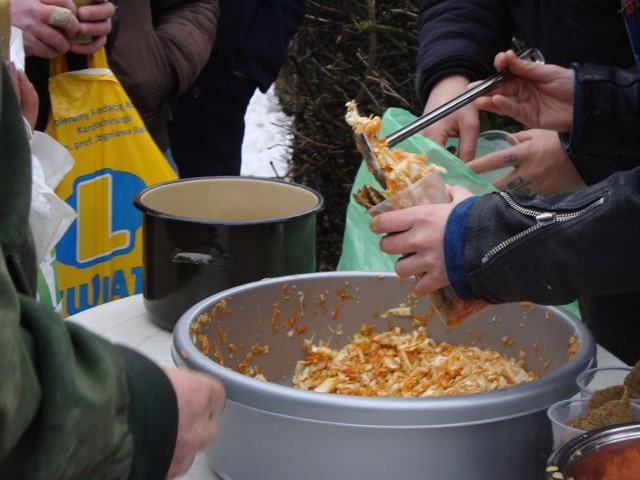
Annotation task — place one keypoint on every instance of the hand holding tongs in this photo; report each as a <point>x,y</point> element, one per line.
<point>494,81</point>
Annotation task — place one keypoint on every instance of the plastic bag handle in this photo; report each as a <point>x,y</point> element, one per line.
<point>98,59</point>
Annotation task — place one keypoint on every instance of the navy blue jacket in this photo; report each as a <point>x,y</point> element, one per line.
<point>256,36</point>
<point>463,36</point>
<point>252,44</point>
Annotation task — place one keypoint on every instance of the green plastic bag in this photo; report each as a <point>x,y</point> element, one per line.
<point>360,249</point>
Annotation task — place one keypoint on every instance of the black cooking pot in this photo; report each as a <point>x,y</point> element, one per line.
<point>205,235</point>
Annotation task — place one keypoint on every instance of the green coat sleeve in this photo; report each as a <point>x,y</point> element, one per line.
<point>71,404</point>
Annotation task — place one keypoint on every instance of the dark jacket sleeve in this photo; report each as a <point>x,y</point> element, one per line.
<point>264,49</point>
<point>160,49</point>
<point>463,36</point>
<point>551,250</point>
<point>449,39</point>
<point>186,31</point>
<point>253,38</point>
<point>606,122</point>
<point>152,417</point>
<point>68,408</point>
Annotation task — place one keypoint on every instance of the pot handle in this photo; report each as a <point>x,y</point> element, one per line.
<point>216,257</point>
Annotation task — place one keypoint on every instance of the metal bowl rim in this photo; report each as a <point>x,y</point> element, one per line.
<point>514,401</point>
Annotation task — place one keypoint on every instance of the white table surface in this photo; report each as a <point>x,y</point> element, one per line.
<point>126,322</point>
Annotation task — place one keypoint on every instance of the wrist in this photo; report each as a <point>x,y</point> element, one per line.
<point>446,89</point>
<point>454,247</point>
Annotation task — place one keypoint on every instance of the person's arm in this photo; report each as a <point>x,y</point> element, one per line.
<point>78,407</point>
<point>505,248</point>
<point>596,109</point>
<point>63,397</point>
<point>606,122</point>
<point>608,113</point>
<point>449,33</point>
<point>72,405</point>
<point>158,52</point>
<point>450,56</point>
<point>185,31</point>
<point>551,250</point>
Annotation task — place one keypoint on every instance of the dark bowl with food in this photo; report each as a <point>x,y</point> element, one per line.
<point>606,453</point>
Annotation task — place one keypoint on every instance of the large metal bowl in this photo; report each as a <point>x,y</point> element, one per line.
<point>270,430</point>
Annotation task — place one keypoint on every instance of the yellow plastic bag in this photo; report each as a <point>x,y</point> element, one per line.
<point>99,259</point>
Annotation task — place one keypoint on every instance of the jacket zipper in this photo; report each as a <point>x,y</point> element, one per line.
<point>542,218</point>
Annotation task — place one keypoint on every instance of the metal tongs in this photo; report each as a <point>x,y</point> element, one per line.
<point>497,79</point>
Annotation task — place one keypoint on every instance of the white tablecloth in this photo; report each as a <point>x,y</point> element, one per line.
<point>126,322</point>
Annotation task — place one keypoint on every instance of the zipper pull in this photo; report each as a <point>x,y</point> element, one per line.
<point>545,218</point>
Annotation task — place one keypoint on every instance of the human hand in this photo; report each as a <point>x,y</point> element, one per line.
<point>45,25</point>
<point>95,23</point>
<point>535,94</point>
<point>540,165</point>
<point>200,399</point>
<point>417,233</point>
<point>463,124</point>
<point>25,92</point>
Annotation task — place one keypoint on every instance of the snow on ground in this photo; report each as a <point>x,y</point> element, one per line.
<point>265,150</point>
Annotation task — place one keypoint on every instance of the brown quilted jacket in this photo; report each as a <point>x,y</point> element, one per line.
<point>160,48</point>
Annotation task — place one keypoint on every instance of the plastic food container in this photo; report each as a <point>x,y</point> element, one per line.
<point>561,413</point>
<point>491,141</point>
<point>598,378</point>
<point>430,189</point>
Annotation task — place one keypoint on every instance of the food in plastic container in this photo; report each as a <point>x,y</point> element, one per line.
<point>410,180</point>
